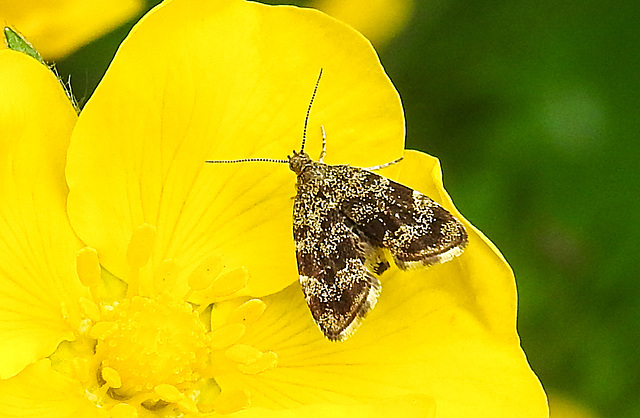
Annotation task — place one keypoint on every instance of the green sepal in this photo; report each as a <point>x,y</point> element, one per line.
<point>16,42</point>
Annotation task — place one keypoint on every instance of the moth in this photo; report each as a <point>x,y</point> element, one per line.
<point>348,223</point>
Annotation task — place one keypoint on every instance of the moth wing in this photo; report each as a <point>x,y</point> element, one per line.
<point>414,228</point>
<point>337,285</point>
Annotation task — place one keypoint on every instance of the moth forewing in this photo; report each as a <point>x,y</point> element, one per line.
<point>347,221</point>
<point>429,234</point>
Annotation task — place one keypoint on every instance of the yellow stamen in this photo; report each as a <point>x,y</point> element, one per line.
<point>230,283</point>
<point>153,342</point>
<point>111,377</point>
<point>231,401</point>
<point>81,370</point>
<point>188,405</point>
<point>102,329</point>
<point>168,393</point>
<point>88,267</point>
<point>153,354</point>
<point>220,313</point>
<point>138,254</point>
<point>244,354</point>
<point>248,312</point>
<point>206,272</point>
<point>266,361</point>
<point>141,245</point>
<point>227,335</point>
<point>89,309</point>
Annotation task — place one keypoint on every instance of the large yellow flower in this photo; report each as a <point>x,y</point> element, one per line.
<point>57,28</point>
<point>182,297</point>
<point>378,20</point>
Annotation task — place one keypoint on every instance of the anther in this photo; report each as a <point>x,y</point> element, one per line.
<point>168,393</point>
<point>123,410</point>
<point>244,354</point>
<point>88,267</point>
<point>230,283</point>
<point>266,361</point>
<point>141,245</point>
<point>189,406</point>
<point>248,312</point>
<point>227,335</point>
<point>101,329</point>
<point>112,377</point>
<point>206,272</point>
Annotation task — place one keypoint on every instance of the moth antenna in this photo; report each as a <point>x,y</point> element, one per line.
<point>246,160</point>
<point>306,119</point>
<point>304,136</point>
<point>324,145</point>
<point>378,167</point>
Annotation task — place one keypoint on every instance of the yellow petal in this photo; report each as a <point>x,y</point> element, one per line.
<point>406,407</point>
<point>378,20</point>
<point>417,340</point>
<point>57,28</point>
<point>562,406</point>
<point>39,391</point>
<point>39,288</point>
<point>482,260</point>
<point>221,80</point>
<point>447,332</point>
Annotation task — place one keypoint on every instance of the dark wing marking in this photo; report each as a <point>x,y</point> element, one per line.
<point>415,229</point>
<point>337,285</point>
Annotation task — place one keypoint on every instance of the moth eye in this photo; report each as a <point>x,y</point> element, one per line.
<point>381,267</point>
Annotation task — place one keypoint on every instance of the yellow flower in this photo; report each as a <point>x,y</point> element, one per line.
<point>378,20</point>
<point>34,108</point>
<point>562,406</point>
<point>57,28</point>
<point>182,297</point>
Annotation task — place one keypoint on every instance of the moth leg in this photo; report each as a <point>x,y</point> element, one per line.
<point>378,167</point>
<point>324,145</point>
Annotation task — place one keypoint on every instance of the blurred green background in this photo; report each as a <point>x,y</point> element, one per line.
<point>532,107</point>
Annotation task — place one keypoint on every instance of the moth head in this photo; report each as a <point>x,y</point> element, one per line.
<point>298,161</point>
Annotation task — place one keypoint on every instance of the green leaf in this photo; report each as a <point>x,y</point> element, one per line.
<point>16,42</point>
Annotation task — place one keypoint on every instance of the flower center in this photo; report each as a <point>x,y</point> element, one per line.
<point>158,352</point>
<point>151,342</point>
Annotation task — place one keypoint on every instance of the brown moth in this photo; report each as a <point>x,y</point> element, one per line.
<point>347,223</point>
